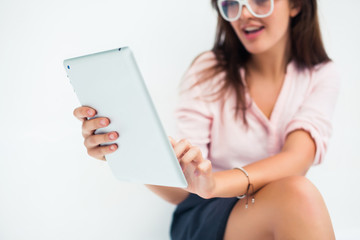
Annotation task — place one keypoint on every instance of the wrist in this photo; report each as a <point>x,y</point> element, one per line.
<point>210,190</point>
<point>229,183</point>
<point>248,182</point>
<point>214,191</point>
<point>249,189</point>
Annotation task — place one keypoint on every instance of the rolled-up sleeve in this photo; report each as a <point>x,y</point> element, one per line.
<point>315,113</point>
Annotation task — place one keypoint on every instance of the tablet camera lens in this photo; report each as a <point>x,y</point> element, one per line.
<point>68,67</point>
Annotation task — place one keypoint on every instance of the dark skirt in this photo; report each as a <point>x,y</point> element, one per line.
<point>196,218</point>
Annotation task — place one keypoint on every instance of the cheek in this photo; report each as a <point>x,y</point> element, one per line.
<point>278,22</point>
<point>277,26</point>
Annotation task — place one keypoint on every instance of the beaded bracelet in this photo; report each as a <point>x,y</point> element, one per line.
<point>247,189</point>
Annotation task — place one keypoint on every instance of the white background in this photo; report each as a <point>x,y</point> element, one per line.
<point>50,188</point>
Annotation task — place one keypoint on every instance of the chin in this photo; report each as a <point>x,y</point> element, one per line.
<point>254,50</point>
<point>255,47</point>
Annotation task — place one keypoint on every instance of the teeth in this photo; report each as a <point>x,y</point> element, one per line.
<point>252,28</point>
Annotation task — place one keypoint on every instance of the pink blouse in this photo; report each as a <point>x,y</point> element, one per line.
<point>306,101</point>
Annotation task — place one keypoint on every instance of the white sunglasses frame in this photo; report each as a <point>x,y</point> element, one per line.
<point>246,4</point>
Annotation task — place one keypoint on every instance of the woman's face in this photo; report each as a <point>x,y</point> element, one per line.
<point>259,35</point>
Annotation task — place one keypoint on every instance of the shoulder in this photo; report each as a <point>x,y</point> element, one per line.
<point>325,68</point>
<point>326,72</point>
<point>203,76</point>
<point>322,74</point>
<point>202,62</point>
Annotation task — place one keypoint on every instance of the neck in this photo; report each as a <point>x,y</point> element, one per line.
<point>271,64</point>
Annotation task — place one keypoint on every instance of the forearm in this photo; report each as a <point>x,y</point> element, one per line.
<point>295,159</point>
<point>233,182</point>
<point>170,194</point>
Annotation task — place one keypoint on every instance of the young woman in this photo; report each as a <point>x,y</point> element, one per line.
<point>253,117</point>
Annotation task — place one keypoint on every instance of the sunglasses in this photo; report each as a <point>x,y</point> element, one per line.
<point>231,10</point>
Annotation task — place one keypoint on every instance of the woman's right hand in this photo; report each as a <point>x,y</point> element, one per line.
<point>92,141</point>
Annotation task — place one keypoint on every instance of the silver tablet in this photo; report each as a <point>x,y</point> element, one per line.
<point>111,83</point>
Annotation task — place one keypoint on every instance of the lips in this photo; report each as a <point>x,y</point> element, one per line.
<point>250,30</point>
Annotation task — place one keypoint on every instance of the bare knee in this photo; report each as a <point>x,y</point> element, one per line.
<point>298,196</point>
<point>300,211</point>
<point>283,209</point>
<point>299,186</point>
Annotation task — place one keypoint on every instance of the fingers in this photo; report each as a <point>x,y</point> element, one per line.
<point>203,168</point>
<point>193,154</point>
<point>188,154</point>
<point>181,148</point>
<point>92,142</point>
<point>83,112</point>
<point>101,151</point>
<point>95,140</point>
<point>89,126</point>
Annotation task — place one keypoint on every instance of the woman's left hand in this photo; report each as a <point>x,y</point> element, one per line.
<point>197,170</point>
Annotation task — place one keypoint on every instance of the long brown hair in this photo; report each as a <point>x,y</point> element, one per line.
<point>307,50</point>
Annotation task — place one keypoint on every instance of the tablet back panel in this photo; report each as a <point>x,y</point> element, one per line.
<point>111,83</point>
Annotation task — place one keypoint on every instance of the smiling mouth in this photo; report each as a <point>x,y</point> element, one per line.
<point>253,30</point>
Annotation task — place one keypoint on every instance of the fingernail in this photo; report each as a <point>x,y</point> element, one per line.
<point>102,122</point>
<point>112,147</point>
<point>90,112</point>
<point>112,136</point>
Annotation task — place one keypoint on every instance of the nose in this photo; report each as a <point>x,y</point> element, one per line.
<point>245,13</point>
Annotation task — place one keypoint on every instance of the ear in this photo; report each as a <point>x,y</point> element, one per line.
<point>295,8</point>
